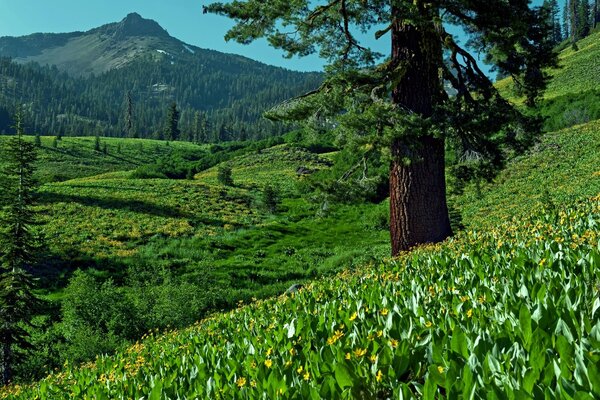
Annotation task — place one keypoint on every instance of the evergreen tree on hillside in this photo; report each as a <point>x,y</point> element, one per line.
<point>596,14</point>
<point>566,20</point>
<point>129,132</point>
<point>583,19</point>
<point>200,127</point>
<point>18,246</point>
<point>401,103</point>
<point>172,132</point>
<point>553,11</point>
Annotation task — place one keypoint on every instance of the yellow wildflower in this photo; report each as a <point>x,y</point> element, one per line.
<point>268,363</point>
<point>379,376</point>
<point>241,381</point>
<point>353,317</point>
<point>384,312</point>
<point>360,352</point>
<point>470,313</point>
<point>306,376</point>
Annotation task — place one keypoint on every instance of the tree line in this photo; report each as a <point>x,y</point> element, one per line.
<point>216,102</point>
<point>579,18</point>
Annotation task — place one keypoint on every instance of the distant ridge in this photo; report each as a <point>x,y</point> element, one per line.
<point>137,56</point>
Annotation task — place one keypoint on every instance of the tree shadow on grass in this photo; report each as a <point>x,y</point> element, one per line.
<point>55,269</point>
<point>110,203</point>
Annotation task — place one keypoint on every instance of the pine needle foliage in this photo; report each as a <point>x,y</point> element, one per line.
<point>18,247</point>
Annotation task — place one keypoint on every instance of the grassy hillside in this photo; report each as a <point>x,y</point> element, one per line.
<point>573,93</point>
<point>507,308</point>
<point>507,312</point>
<point>76,157</point>
<point>223,239</point>
<point>563,167</point>
<point>578,71</point>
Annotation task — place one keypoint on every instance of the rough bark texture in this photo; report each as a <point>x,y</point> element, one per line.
<point>418,210</point>
<point>5,373</point>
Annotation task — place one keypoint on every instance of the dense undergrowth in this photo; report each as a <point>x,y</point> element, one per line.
<point>510,312</point>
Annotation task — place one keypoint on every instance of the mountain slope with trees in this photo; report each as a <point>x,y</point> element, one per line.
<point>142,71</point>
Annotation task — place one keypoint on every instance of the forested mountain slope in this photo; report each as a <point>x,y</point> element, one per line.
<point>83,88</point>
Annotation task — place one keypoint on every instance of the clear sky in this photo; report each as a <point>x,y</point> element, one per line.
<point>183,19</point>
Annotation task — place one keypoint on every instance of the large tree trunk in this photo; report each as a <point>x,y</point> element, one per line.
<point>418,210</point>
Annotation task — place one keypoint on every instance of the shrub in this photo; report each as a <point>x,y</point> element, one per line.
<point>224,175</point>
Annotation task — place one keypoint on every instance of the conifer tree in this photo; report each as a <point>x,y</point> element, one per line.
<point>18,247</point>
<point>129,132</point>
<point>200,127</point>
<point>583,19</point>
<point>397,100</point>
<point>173,132</point>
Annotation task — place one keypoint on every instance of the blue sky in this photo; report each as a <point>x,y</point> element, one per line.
<point>183,19</point>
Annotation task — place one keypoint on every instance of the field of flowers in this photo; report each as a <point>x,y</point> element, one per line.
<point>511,312</point>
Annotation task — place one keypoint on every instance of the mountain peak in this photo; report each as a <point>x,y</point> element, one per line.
<point>135,25</point>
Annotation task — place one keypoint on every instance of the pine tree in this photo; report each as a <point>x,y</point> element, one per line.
<point>596,14</point>
<point>129,132</point>
<point>97,143</point>
<point>401,103</point>
<point>200,127</point>
<point>583,19</point>
<point>173,132</point>
<point>38,140</point>
<point>18,247</point>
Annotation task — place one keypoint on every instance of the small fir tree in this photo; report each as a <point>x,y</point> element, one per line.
<point>173,131</point>
<point>18,248</point>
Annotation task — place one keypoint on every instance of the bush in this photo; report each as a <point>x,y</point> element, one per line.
<point>224,175</point>
<point>270,198</point>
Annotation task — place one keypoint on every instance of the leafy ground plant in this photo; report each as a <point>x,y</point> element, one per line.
<point>512,312</point>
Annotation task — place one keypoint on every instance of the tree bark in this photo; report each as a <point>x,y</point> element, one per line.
<point>418,209</point>
<point>5,370</point>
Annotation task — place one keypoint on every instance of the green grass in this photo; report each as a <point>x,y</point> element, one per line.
<point>199,228</point>
<point>509,312</point>
<point>507,309</point>
<point>573,93</point>
<point>577,72</point>
<point>75,157</point>
<point>277,166</point>
<point>563,167</point>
